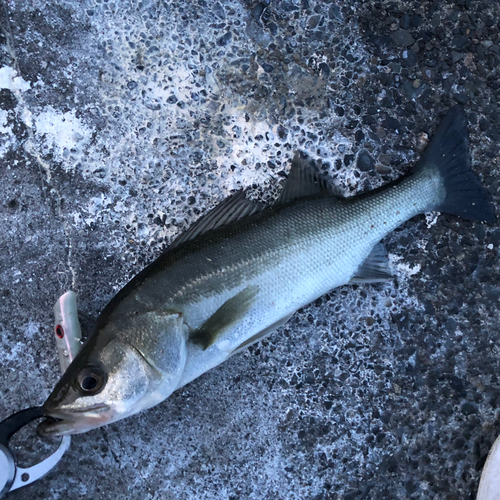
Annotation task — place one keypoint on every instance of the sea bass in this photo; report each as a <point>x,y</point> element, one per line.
<point>241,271</point>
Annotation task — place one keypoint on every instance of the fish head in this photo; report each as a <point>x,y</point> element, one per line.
<point>103,384</point>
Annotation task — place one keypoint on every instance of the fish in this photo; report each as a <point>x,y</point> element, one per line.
<point>242,270</point>
<point>489,484</point>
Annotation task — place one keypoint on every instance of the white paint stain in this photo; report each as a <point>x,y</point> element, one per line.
<point>3,121</point>
<point>9,79</point>
<point>61,130</point>
<point>7,138</point>
<point>431,218</point>
<point>403,267</point>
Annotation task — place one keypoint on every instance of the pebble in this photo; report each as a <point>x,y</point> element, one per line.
<point>366,162</point>
<point>403,38</point>
<point>225,39</point>
<point>405,22</point>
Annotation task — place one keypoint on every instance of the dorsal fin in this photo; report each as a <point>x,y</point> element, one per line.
<point>304,180</point>
<point>232,209</point>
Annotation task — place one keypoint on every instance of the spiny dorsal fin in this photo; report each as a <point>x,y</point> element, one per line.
<point>232,209</point>
<point>375,268</point>
<point>304,180</point>
<point>232,311</point>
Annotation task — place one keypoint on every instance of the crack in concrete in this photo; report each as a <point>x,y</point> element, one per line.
<point>30,148</point>
<point>140,477</point>
<point>110,447</point>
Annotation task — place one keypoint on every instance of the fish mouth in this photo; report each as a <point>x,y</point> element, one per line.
<point>74,421</point>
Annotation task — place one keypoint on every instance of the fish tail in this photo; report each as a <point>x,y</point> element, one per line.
<point>448,153</point>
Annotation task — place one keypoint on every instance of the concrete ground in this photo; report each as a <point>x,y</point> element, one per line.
<point>122,122</point>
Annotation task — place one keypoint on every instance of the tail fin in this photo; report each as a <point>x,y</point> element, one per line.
<point>449,154</point>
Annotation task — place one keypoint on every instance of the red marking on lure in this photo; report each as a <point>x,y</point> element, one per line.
<point>60,331</point>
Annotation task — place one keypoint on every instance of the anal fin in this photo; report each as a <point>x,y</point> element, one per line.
<point>232,311</point>
<point>375,268</point>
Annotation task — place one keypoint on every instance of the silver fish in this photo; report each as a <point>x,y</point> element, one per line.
<point>241,271</point>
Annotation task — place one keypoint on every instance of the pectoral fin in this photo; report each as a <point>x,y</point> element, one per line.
<point>232,311</point>
<point>262,334</point>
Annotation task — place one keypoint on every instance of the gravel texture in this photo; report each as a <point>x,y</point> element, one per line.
<point>122,122</point>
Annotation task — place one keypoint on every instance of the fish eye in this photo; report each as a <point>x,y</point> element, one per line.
<point>91,380</point>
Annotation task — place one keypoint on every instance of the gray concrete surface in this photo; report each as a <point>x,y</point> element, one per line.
<point>122,122</point>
